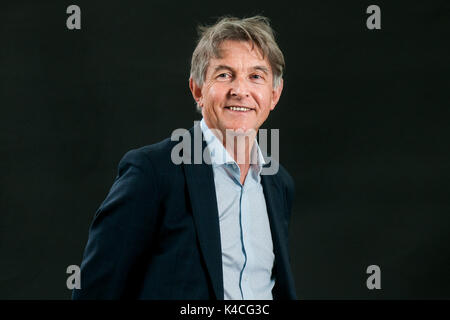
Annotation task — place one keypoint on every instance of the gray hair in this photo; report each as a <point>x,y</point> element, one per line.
<point>255,29</point>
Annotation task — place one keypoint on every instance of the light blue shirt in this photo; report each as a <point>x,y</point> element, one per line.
<point>247,248</point>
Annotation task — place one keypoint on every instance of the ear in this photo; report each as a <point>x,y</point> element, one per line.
<point>196,91</point>
<point>276,93</point>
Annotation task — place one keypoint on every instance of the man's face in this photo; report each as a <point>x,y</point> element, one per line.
<point>241,78</point>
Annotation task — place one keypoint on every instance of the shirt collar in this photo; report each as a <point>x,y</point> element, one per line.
<point>220,156</point>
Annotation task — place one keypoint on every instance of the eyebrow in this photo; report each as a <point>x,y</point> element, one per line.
<point>221,67</point>
<point>261,68</point>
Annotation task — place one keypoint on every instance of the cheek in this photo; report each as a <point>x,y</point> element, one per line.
<point>264,100</point>
<point>215,95</point>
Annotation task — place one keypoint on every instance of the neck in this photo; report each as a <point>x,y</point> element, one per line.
<point>239,146</point>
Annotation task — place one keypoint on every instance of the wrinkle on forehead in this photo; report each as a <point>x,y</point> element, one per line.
<point>218,51</point>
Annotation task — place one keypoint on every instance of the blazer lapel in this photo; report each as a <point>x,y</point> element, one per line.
<point>274,195</point>
<point>201,188</point>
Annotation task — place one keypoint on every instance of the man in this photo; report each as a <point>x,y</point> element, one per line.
<point>216,230</point>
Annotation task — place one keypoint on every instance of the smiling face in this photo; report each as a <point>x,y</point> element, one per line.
<point>237,92</point>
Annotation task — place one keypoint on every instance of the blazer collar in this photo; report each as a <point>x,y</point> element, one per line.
<point>275,197</point>
<point>202,193</point>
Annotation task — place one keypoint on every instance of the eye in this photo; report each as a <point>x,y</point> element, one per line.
<point>223,75</point>
<point>257,77</point>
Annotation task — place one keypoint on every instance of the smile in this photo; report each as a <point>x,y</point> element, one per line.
<point>242,109</point>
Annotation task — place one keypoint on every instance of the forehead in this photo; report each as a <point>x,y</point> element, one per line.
<point>242,52</point>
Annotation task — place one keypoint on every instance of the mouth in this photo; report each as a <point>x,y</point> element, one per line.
<point>239,108</point>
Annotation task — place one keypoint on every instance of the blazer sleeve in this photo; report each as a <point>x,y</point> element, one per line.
<point>121,232</point>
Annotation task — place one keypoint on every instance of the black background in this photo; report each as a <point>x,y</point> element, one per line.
<point>363,119</point>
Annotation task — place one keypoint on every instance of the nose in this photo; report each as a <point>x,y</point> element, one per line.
<point>239,89</point>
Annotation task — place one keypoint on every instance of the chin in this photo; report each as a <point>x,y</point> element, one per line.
<point>240,127</point>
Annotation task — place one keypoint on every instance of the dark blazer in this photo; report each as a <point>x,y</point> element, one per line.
<point>157,236</point>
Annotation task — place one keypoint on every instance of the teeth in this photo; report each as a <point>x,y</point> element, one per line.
<point>239,109</point>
